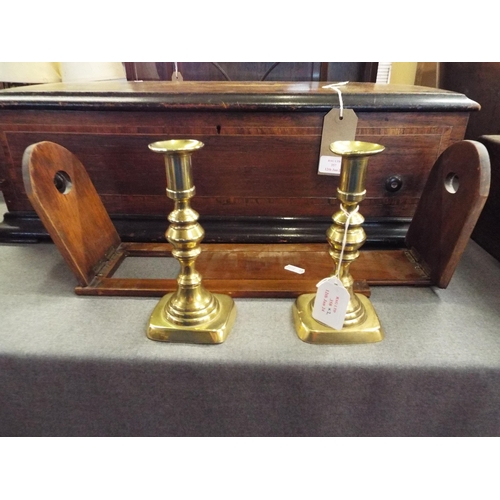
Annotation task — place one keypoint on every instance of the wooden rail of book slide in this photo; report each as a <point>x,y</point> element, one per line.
<point>66,201</point>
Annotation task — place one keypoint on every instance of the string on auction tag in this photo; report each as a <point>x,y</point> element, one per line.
<point>339,124</point>
<point>344,240</point>
<point>332,298</point>
<point>176,76</point>
<point>334,86</point>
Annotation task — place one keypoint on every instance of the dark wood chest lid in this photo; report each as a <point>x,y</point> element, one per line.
<point>237,96</point>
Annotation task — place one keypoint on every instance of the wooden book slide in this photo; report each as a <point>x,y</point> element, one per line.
<point>67,203</point>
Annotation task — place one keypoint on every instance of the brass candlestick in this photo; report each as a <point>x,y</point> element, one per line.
<point>361,324</point>
<point>191,314</point>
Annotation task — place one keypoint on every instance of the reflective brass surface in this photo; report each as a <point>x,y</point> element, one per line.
<point>213,331</point>
<point>312,332</point>
<point>361,324</point>
<point>355,155</point>
<point>191,314</point>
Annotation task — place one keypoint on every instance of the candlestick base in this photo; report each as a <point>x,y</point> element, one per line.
<point>213,331</point>
<point>311,331</point>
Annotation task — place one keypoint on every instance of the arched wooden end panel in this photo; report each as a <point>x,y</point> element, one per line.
<point>67,203</point>
<point>73,214</point>
<point>451,202</point>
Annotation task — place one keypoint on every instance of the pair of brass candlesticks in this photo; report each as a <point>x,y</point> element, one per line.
<point>192,314</point>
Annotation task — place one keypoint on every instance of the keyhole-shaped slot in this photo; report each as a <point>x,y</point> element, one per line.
<point>451,183</point>
<point>218,128</point>
<point>62,182</point>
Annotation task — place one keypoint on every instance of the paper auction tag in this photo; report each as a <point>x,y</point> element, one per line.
<point>335,129</point>
<point>330,305</point>
<point>329,165</point>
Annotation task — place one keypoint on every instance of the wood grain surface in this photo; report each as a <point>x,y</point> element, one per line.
<point>449,208</point>
<point>261,154</point>
<point>74,215</point>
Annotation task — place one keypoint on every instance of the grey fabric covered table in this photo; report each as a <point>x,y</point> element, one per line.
<point>72,366</point>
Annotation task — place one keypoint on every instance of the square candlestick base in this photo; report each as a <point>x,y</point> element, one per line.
<point>210,332</point>
<point>311,331</point>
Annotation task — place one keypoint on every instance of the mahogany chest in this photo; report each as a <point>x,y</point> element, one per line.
<point>257,176</point>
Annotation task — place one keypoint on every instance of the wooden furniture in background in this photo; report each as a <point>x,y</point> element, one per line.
<point>255,71</point>
<point>66,201</point>
<point>481,82</point>
<point>427,74</point>
<point>486,232</point>
<point>256,178</point>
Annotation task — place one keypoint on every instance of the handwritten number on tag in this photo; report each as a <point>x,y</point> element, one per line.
<point>330,305</point>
